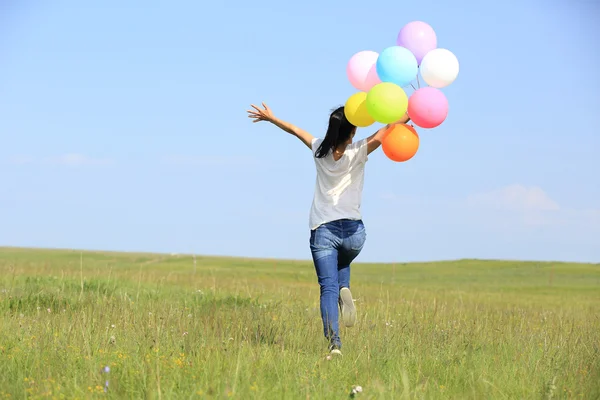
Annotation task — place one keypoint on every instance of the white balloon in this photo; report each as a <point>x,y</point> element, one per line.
<point>439,68</point>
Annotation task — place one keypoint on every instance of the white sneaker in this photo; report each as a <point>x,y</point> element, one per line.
<point>347,307</point>
<point>334,350</point>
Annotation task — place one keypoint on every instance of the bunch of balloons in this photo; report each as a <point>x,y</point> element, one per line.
<point>381,78</point>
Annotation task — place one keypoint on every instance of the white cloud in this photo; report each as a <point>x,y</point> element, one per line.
<point>186,160</point>
<point>74,160</point>
<point>70,160</point>
<point>530,206</point>
<point>509,208</point>
<point>514,198</point>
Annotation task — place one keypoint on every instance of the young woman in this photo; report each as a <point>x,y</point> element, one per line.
<point>337,233</point>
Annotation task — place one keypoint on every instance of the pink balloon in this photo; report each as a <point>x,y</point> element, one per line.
<point>361,70</point>
<point>427,107</point>
<point>418,37</point>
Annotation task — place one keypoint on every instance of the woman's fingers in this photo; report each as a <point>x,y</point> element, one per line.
<point>255,117</point>
<point>252,112</point>
<point>258,115</point>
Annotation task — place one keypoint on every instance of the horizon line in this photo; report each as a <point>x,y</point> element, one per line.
<point>248,258</point>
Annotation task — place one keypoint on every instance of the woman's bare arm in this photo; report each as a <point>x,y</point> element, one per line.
<point>374,141</point>
<point>267,115</point>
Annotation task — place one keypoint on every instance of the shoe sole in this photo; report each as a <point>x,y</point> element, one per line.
<point>347,307</point>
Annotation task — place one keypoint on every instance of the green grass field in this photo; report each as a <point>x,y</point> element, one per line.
<point>250,329</point>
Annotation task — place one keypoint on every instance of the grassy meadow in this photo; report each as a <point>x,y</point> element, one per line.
<point>174,328</point>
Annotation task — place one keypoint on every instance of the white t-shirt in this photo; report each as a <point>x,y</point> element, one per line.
<point>338,190</point>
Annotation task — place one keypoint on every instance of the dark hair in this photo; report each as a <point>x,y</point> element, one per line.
<point>338,131</point>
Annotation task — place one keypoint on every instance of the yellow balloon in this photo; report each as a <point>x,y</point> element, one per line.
<point>356,110</point>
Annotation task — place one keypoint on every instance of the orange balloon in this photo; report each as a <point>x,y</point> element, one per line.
<point>400,143</point>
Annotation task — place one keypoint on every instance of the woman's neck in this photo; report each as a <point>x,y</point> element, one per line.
<point>338,151</point>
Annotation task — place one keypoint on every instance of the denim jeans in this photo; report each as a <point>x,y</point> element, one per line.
<point>334,246</point>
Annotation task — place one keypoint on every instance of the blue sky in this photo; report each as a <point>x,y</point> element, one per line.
<point>123,127</point>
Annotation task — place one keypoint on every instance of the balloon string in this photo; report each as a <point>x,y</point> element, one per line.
<point>418,82</point>
<point>413,86</point>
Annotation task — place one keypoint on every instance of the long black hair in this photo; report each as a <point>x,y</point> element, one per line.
<point>338,131</point>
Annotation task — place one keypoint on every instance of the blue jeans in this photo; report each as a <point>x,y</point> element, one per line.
<point>334,246</point>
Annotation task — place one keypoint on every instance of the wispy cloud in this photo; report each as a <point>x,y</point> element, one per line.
<point>514,198</point>
<point>207,160</point>
<point>510,207</point>
<point>532,206</point>
<point>75,160</point>
<point>69,160</point>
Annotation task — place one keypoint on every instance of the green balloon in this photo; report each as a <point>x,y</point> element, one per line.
<point>387,102</point>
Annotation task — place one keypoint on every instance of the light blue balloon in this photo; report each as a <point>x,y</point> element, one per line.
<point>397,65</point>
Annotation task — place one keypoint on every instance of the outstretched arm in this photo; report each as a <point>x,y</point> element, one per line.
<point>374,141</point>
<point>267,115</point>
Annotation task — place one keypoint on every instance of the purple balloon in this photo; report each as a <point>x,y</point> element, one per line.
<point>418,37</point>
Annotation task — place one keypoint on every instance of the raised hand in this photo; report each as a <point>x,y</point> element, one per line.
<point>266,114</point>
<point>261,115</point>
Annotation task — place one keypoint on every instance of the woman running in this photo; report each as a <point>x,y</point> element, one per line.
<point>337,233</point>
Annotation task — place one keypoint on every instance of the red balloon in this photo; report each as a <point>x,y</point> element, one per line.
<point>400,143</point>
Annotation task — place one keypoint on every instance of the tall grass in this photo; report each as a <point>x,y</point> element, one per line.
<point>169,327</point>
